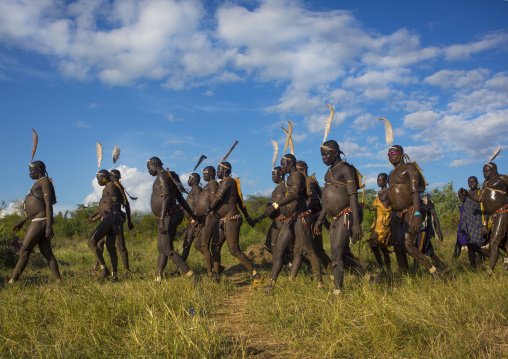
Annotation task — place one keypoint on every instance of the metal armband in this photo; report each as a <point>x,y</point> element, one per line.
<point>415,186</point>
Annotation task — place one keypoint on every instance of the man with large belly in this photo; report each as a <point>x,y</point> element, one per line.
<point>165,194</point>
<point>38,208</point>
<point>405,182</point>
<point>297,222</point>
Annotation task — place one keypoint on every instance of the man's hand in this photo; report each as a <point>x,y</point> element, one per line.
<point>250,222</point>
<point>440,236</point>
<point>130,225</point>
<point>268,211</point>
<point>90,219</point>
<point>357,234</point>
<point>49,232</point>
<point>417,223</point>
<point>462,192</point>
<point>317,228</point>
<point>17,227</point>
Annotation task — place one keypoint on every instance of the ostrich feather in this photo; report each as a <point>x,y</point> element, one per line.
<point>201,159</point>
<point>328,123</point>
<point>289,142</point>
<point>231,150</point>
<point>388,130</point>
<point>494,155</point>
<point>275,153</point>
<point>99,155</point>
<point>116,154</point>
<point>35,138</point>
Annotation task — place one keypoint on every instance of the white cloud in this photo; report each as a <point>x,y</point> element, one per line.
<point>490,41</point>
<point>94,105</point>
<point>460,79</point>
<point>81,124</point>
<point>264,192</point>
<point>137,183</point>
<point>420,120</point>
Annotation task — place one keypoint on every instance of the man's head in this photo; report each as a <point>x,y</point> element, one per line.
<point>382,179</point>
<point>472,182</point>
<point>194,178</point>
<point>152,164</point>
<point>489,170</point>
<point>330,152</point>
<point>208,173</point>
<point>287,163</point>
<point>276,174</point>
<point>115,175</point>
<point>36,168</point>
<point>223,169</point>
<point>301,166</point>
<point>395,154</point>
<point>103,177</point>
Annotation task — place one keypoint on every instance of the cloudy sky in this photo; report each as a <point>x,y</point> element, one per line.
<point>177,79</point>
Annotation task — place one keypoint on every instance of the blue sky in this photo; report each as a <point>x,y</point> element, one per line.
<point>177,79</point>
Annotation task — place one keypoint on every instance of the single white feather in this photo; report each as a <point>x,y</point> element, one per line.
<point>494,155</point>
<point>116,154</point>
<point>99,155</point>
<point>388,130</point>
<point>275,153</point>
<point>328,123</point>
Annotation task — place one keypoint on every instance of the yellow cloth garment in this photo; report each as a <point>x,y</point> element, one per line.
<point>380,229</point>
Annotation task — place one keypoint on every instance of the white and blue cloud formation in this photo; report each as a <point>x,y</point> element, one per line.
<point>315,57</point>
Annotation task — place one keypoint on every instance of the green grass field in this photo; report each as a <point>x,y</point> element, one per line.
<point>464,316</point>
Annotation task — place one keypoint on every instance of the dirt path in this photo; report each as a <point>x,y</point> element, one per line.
<point>249,338</point>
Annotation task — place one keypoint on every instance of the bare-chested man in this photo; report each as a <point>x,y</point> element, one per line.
<point>225,207</point>
<point>192,229</point>
<point>124,254</point>
<point>405,182</point>
<point>169,215</point>
<point>340,203</point>
<point>111,225</point>
<point>380,233</point>
<point>210,227</point>
<point>494,197</point>
<point>38,208</point>
<point>277,195</point>
<point>314,204</point>
<point>298,222</point>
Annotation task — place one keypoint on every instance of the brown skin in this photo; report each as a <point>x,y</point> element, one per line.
<point>294,203</point>
<point>314,204</point>
<point>209,227</point>
<point>401,197</point>
<point>335,199</point>
<point>127,206</point>
<point>225,205</point>
<point>494,197</point>
<point>164,197</point>
<point>277,194</point>
<point>38,204</point>
<point>110,227</point>
<point>192,229</point>
<point>404,193</point>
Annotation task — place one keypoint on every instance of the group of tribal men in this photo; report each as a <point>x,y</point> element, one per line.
<point>298,208</point>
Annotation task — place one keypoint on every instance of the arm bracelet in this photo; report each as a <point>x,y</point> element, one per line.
<point>417,213</point>
<point>275,205</point>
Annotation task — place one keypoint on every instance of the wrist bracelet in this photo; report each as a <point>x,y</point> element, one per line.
<point>275,205</point>
<point>417,214</point>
